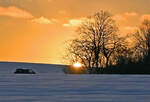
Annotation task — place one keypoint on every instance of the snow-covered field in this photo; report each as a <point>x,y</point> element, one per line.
<point>50,84</point>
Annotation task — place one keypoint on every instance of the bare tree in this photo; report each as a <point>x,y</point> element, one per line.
<point>142,36</point>
<point>145,30</point>
<point>97,41</point>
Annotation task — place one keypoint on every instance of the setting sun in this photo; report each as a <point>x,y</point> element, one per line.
<point>77,65</point>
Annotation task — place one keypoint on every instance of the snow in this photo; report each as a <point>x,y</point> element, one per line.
<point>50,84</point>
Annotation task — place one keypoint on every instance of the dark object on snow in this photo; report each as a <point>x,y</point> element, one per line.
<point>24,71</point>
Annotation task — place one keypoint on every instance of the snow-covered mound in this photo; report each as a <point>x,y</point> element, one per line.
<point>10,67</point>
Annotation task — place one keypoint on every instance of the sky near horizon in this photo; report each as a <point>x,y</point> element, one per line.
<point>36,30</point>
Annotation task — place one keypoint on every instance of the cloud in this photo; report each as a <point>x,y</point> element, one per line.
<point>119,17</point>
<point>128,29</point>
<point>146,16</point>
<point>130,14</point>
<point>13,11</point>
<point>43,20</point>
<point>74,22</point>
<point>124,16</point>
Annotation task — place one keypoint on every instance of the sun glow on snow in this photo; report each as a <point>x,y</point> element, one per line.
<point>77,65</point>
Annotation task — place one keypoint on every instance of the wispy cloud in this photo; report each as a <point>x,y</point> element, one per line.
<point>43,20</point>
<point>119,17</point>
<point>128,29</point>
<point>74,22</point>
<point>13,11</point>
<point>130,14</point>
<point>124,16</point>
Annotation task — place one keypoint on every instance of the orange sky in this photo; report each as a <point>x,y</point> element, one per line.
<point>35,30</point>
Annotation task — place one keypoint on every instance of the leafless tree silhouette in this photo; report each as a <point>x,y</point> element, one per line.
<point>142,36</point>
<point>98,44</point>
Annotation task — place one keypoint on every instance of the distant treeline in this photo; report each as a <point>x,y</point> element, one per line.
<point>130,68</point>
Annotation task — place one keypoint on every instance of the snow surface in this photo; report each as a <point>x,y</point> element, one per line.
<point>50,84</point>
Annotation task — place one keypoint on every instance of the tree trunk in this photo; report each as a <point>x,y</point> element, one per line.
<point>107,62</point>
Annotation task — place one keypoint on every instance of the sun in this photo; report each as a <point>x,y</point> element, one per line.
<point>77,65</point>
